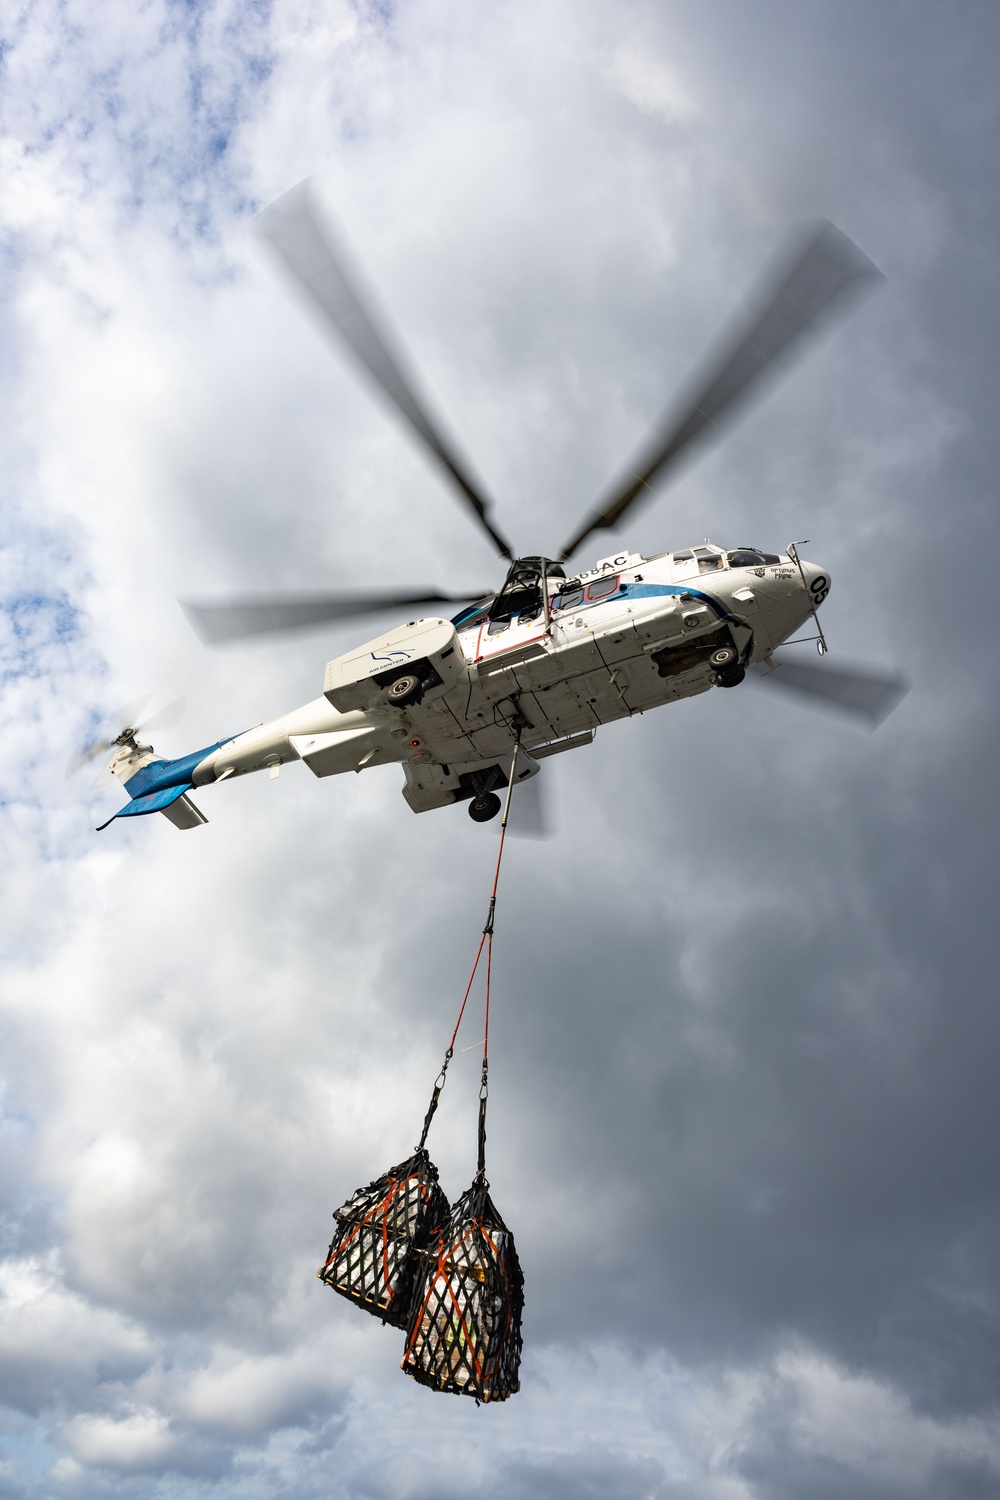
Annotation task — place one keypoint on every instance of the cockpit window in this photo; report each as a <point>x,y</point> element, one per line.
<point>602,588</point>
<point>749,557</point>
<point>683,556</point>
<point>474,615</point>
<point>496,626</point>
<point>708,561</point>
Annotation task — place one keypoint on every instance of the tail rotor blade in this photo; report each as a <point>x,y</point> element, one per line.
<point>869,696</point>
<point>125,717</point>
<point>122,718</point>
<point>85,754</point>
<point>164,718</point>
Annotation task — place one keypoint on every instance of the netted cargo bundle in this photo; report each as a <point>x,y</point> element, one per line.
<point>465,1331</point>
<point>371,1259</point>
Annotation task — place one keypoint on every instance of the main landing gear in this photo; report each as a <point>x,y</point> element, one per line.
<point>484,807</point>
<point>405,690</point>
<point>485,803</point>
<point>725,663</point>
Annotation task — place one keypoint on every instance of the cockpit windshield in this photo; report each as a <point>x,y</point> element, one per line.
<point>749,557</point>
<point>474,615</point>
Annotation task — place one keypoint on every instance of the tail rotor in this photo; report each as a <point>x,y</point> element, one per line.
<point>127,715</point>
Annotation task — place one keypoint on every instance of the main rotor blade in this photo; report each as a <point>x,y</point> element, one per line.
<point>291,227</point>
<point>260,614</point>
<point>529,811</point>
<point>819,274</point>
<point>867,695</point>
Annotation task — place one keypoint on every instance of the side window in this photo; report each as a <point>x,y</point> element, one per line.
<point>708,561</point>
<point>496,626</point>
<point>570,600</point>
<point>602,588</point>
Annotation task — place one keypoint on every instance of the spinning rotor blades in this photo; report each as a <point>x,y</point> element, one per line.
<point>258,614</point>
<point>164,718</point>
<point>867,695</point>
<point>820,274</point>
<point>123,717</point>
<point>529,816</point>
<point>291,227</point>
<point>93,748</point>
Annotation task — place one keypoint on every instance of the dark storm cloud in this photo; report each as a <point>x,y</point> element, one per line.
<point>799,1141</point>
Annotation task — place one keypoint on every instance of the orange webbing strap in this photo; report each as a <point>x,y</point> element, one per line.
<point>485,941</point>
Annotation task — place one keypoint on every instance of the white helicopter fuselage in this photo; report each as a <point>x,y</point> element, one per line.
<point>630,634</point>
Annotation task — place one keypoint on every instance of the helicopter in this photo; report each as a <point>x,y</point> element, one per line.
<point>471,702</point>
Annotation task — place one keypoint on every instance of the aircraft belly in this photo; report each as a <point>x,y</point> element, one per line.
<point>570,684</point>
<point>491,739</point>
<point>521,673</point>
<point>618,645</point>
<point>444,733</point>
<point>561,707</point>
<point>578,653</point>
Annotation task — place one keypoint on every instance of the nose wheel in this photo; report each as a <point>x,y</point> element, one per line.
<point>484,807</point>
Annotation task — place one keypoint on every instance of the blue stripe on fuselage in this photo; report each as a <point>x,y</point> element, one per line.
<point>164,773</point>
<point>653,591</point>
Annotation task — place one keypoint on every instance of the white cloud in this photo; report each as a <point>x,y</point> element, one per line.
<point>131,1444</point>
<point>54,1342</point>
<point>651,84</point>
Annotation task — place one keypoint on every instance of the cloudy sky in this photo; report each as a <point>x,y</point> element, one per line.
<point>746,1038</point>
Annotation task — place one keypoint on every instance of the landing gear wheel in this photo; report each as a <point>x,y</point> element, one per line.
<point>732,678</point>
<point>724,660</point>
<point>484,808</point>
<point>404,690</point>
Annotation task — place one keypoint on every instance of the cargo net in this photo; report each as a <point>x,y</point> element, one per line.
<point>371,1259</point>
<point>465,1330</point>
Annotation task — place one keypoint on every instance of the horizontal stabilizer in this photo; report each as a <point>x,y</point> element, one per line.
<point>153,802</point>
<point>184,814</point>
